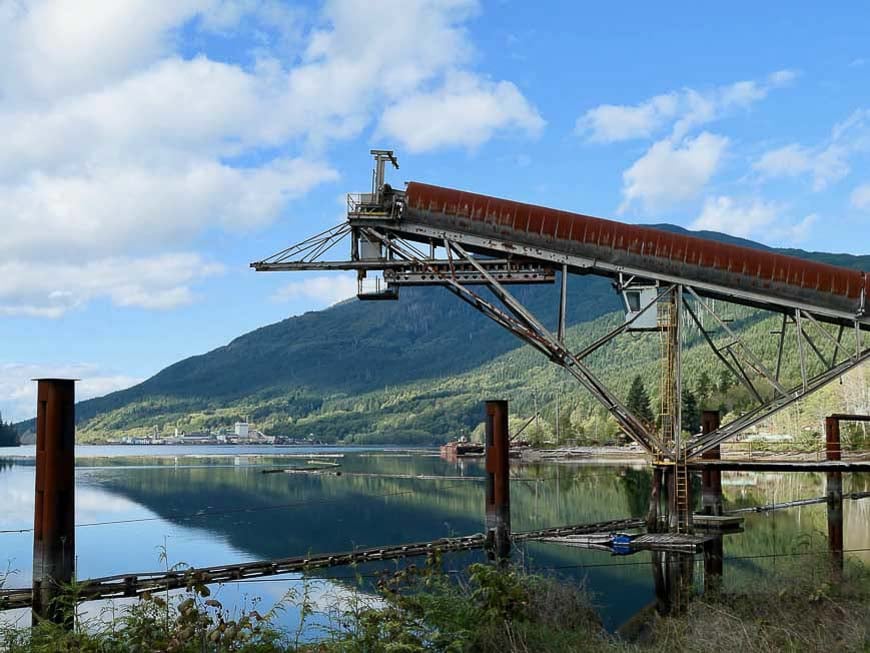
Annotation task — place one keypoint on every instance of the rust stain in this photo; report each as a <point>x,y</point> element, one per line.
<point>746,267</point>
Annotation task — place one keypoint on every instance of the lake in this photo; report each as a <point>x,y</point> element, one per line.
<point>214,505</point>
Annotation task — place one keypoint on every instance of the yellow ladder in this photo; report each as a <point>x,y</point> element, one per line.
<point>682,490</point>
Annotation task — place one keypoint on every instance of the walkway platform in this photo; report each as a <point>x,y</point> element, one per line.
<point>773,465</point>
<point>717,522</point>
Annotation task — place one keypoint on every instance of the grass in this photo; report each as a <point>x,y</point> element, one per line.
<point>485,609</point>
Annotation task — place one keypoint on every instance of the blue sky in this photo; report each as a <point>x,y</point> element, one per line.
<point>154,149</point>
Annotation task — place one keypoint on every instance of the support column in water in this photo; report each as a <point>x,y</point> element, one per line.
<point>655,500</point>
<point>54,508</point>
<point>834,491</point>
<point>498,502</point>
<point>711,479</point>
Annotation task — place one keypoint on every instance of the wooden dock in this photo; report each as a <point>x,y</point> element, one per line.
<point>680,542</point>
<point>717,522</point>
<point>683,542</point>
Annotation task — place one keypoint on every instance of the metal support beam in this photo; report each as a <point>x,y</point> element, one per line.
<point>800,343</point>
<point>704,442</point>
<point>741,377</point>
<point>560,354</point>
<point>54,508</point>
<point>711,480</point>
<point>834,483</point>
<point>563,303</point>
<point>753,360</point>
<point>622,328</point>
<point>781,347</point>
<point>412,230</point>
<point>527,327</point>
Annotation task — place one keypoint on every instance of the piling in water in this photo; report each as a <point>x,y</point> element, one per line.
<point>54,510</point>
<point>498,503</point>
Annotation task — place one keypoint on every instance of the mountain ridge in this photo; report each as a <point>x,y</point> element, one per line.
<point>353,347</point>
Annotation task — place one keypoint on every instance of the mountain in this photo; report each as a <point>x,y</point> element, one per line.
<point>354,361</point>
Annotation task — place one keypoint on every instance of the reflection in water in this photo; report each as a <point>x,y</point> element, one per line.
<point>278,515</point>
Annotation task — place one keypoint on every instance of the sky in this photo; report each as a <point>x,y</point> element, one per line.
<point>152,149</point>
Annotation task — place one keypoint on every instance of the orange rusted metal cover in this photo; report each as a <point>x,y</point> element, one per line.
<point>659,251</point>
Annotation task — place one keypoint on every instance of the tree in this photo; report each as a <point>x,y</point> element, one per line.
<point>725,380</point>
<point>8,434</point>
<point>704,387</point>
<point>638,401</point>
<point>691,414</point>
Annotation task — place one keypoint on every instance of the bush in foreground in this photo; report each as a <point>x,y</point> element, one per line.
<point>485,609</point>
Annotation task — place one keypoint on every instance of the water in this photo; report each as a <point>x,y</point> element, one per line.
<point>213,505</point>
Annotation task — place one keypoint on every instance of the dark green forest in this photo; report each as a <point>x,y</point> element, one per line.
<point>8,434</point>
<point>416,371</point>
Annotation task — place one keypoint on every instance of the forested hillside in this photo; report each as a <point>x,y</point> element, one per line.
<point>412,370</point>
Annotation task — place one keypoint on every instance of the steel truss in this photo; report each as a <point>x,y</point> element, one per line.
<point>475,261</point>
<point>841,360</point>
<point>522,323</point>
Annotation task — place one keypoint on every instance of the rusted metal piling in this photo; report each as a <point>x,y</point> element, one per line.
<point>655,500</point>
<point>711,479</point>
<point>54,509</point>
<point>498,502</point>
<point>833,451</point>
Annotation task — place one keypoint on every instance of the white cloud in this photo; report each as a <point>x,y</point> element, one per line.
<point>727,215</point>
<point>464,112</point>
<point>686,109</point>
<point>753,218</point>
<point>118,148</point>
<point>325,290</point>
<point>861,197</point>
<point>137,208</point>
<point>826,163</point>
<point>825,166</point>
<point>50,289</point>
<point>18,391</point>
<point>670,173</point>
<point>608,123</point>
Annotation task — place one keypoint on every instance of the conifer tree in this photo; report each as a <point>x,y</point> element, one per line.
<point>691,414</point>
<point>638,401</point>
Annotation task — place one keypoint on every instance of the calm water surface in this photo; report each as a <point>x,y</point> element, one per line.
<point>277,515</point>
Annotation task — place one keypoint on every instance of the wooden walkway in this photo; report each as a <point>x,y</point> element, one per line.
<point>773,465</point>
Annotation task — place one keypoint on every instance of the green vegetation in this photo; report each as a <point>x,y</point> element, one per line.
<point>484,610</point>
<point>638,401</point>
<point>416,370</point>
<point>434,410</point>
<point>8,434</point>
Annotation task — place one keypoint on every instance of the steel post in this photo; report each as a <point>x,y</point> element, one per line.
<point>833,449</point>
<point>498,503</point>
<point>672,578</point>
<point>655,499</point>
<point>54,510</point>
<point>834,492</point>
<point>711,480</point>
<point>713,563</point>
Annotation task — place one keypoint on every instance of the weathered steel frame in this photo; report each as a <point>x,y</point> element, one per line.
<point>522,323</point>
<point>531,331</point>
<point>700,444</point>
<point>416,231</point>
<point>786,398</point>
<point>737,371</point>
<point>751,358</point>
